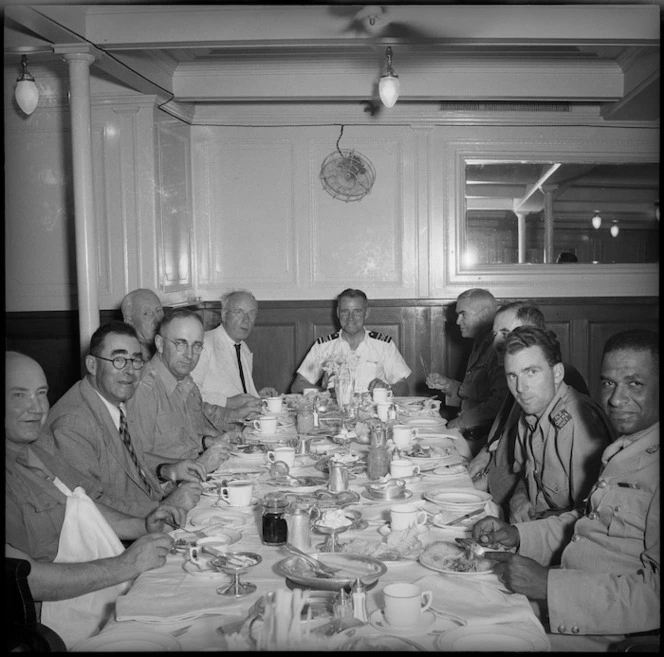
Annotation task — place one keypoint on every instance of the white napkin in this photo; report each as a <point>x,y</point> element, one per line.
<point>169,595</point>
<point>478,600</point>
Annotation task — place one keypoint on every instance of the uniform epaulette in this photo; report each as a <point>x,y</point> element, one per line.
<point>379,336</point>
<point>561,418</point>
<point>148,379</point>
<point>327,338</point>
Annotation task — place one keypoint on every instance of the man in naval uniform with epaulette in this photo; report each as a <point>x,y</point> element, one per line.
<point>379,362</point>
<point>561,433</point>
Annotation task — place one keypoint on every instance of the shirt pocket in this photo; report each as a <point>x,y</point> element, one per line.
<point>475,385</point>
<point>625,514</point>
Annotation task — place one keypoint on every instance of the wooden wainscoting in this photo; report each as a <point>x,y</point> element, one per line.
<point>285,330</point>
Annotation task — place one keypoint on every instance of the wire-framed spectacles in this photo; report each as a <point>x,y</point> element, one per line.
<point>120,362</point>
<point>182,345</point>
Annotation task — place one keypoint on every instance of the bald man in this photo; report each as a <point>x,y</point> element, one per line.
<point>143,310</point>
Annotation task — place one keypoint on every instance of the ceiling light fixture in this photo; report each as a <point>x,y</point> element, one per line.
<point>26,93</point>
<point>614,229</point>
<point>597,220</point>
<point>388,87</point>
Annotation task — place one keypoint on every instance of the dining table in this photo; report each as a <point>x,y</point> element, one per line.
<point>179,607</point>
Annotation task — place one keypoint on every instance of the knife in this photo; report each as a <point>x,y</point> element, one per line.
<point>462,518</point>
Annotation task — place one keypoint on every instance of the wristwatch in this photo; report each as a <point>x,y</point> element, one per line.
<point>160,477</point>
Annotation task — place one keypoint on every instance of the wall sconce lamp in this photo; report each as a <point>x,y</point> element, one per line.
<point>614,229</point>
<point>388,87</point>
<point>597,220</point>
<point>26,93</point>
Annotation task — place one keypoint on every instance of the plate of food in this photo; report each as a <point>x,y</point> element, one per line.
<point>351,566</point>
<point>397,545</point>
<point>215,517</point>
<point>426,422</point>
<point>325,499</point>
<point>458,500</point>
<point>444,557</point>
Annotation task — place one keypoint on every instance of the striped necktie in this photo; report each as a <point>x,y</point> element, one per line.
<point>126,439</point>
<point>238,346</point>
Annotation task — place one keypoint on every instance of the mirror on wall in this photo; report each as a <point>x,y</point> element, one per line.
<point>546,212</point>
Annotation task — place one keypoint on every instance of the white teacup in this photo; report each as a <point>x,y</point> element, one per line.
<point>285,454</point>
<point>237,493</point>
<point>273,404</point>
<point>266,424</point>
<point>404,468</point>
<point>382,410</point>
<point>405,603</point>
<point>381,395</point>
<point>403,516</point>
<point>403,435</point>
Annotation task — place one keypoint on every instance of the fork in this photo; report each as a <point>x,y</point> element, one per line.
<point>320,568</point>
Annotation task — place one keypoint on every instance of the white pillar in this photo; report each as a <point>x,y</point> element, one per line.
<point>548,222</point>
<point>86,245</point>
<point>521,233</point>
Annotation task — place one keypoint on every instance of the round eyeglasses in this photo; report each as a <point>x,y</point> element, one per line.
<point>120,362</point>
<point>182,345</point>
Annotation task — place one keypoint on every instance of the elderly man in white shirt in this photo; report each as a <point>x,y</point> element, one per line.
<point>224,370</point>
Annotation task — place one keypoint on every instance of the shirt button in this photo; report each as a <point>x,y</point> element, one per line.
<point>576,538</point>
<point>616,509</point>
<point>601,483</point>
<point>562,629</point>
<point>592,515</point>
<point>575,629</point>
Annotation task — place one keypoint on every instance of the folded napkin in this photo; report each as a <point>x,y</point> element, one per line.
<point>478,600</point>
<point>170,595</point>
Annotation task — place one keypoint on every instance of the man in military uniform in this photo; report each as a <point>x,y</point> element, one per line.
<point>596,570</point>
<point>492,468</point>
<point>483,388</point>
<point>379,363</point>
<point>561,433</point>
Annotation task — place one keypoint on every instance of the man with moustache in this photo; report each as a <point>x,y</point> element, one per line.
<point>379,363</point>
<point>35,507</point>
<point>561,433</point>
<point>492,469</point>
<point>173,421</point>
<point>143,310</point>
<point>483,388</point>
<point>224,370</point>
<point>92,428</point>
<point>596,570</point>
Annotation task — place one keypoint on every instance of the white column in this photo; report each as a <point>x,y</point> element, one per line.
<point>86,246</point>
<point>521,233</point>
<point>548,222</point>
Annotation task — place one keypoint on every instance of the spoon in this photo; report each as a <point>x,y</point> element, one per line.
<point>320,568</point>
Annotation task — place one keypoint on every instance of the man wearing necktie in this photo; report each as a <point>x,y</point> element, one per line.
<point>92,429</point>
<point>224,369</point>
<point>596,570</point>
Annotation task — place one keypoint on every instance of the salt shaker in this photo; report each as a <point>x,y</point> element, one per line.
<point>338,478</point>
<point>359,598</point>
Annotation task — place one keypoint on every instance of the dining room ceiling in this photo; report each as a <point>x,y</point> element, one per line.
<point>456,57</point>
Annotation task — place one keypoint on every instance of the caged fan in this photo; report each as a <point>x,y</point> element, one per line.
<point>347,174</point>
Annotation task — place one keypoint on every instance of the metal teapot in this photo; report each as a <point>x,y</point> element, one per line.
<point>299,518</point>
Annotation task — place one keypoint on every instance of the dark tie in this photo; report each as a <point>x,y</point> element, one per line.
<point>126,439</point>
<point>238,346</point>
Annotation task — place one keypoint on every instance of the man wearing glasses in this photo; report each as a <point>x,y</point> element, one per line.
<point>174,422</point>
<point>224,370</point>
<point>93,430</point>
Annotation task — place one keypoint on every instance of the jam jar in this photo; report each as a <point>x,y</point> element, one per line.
<point>275,528</point>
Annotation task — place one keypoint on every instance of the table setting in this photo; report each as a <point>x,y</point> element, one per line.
<point>255,539</point>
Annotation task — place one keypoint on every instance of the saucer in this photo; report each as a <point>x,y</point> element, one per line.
<point>404,495</point>
<point>192,569</point>
<point>385,529</point>
<point>222,503</point>
<point>377,620</point>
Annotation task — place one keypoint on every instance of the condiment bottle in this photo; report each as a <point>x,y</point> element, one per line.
<point>378,459</point>
<point>358,594</point>
<point>305,418</point>
<point>275,528</point>
<point>338,478</point>
<point>298,519</point>
<point>343,608</point>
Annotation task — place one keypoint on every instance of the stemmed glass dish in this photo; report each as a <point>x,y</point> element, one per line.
<point>236,564</point>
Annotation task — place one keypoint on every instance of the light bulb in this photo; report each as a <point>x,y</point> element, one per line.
<point>388,88</point>
<point>614,229</point>
<point>26,92</point>
<point>597,220</point>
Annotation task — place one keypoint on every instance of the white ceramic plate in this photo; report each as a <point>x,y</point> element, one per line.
<point>433,422</point>
<point>428,562</point>
<point>462,500</point>
<point>492,638</point>
<point>123,641</point>
<point>223,504</point>
<point>407,401</point>
<point>381,643</point>
<point>219,518</point>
